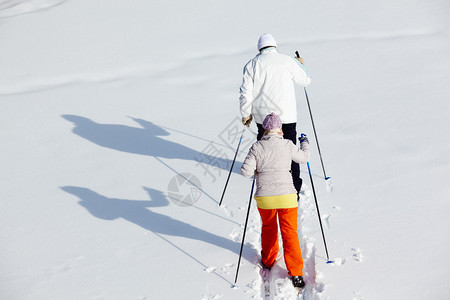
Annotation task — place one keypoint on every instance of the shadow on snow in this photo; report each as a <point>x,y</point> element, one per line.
<point>144,141</point>
<point>137,212</point>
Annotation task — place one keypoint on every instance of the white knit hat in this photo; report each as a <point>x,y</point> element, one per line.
<point>266,40</point>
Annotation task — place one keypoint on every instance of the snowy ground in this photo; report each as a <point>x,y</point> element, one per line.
<point>107,107</point>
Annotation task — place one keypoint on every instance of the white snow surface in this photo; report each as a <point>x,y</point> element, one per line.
<point>112,112</point>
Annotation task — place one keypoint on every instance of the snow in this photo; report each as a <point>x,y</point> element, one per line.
<point>109,107</point>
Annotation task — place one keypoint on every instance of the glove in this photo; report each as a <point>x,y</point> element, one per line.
<point>301,60</point>
<point>247,120</point>
<point>303,138</point>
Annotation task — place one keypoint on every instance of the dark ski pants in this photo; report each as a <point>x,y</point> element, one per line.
<point>289,133</point>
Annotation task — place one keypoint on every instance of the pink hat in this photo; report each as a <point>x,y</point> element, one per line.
<point>272,121</point>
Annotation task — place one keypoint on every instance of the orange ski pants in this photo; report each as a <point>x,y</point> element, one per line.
<point>269,238</point>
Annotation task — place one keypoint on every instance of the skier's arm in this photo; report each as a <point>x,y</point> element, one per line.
<point>249,165</point>
<point>246,91</point>
<point>301,155</point>
<point>300,73</point>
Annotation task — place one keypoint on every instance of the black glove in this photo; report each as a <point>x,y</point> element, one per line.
<point>303,138</point>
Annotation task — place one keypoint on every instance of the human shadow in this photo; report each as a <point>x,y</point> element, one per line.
<point>137,212</point>
<point>147,141</point>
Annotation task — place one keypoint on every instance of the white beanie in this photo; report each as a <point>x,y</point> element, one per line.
<point>266,40</point>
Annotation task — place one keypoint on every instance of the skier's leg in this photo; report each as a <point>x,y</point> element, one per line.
<point>290,133</point>
<point>291,246</point>
<point>260,131</point>
<point>269,236</point>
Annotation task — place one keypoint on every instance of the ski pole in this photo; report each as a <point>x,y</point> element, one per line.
<point>315,134</point>
<point>245,229</point>
<point>231,169</point>
<point>318,214</point>
<point>314,128</point>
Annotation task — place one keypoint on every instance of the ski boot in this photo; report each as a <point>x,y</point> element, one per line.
<point>298,282</point>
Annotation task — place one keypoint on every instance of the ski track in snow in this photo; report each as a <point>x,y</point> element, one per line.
<point>313,287</point>
<point>276,283</point>
<point>382,35</point>
<point>12,8</point>
<point>41,83</point>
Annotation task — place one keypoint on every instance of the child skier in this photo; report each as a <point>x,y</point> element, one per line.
<point>270,161</point>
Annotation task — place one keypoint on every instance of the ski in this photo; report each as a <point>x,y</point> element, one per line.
<point>299,292</point>
<point>265,277</point>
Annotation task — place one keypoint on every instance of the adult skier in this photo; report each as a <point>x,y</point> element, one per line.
<point>268,86</point>
<point>269,160</point>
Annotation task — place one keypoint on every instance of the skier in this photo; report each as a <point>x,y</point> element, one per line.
<point>268,86</point>
<point>270,160</point>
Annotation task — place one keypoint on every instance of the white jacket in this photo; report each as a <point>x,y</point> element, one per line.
<point>271,158</point>
<point>268,86</point>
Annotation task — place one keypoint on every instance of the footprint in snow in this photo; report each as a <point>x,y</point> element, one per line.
<point>211,297</point>
<point>357,256</point>
<point>357,295</point>
<point>235,235</point>
<point>338,261</point>
<point>228,211</point>
<point>227,268</point>
<point>210,269</point>
<point>326,218</point>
